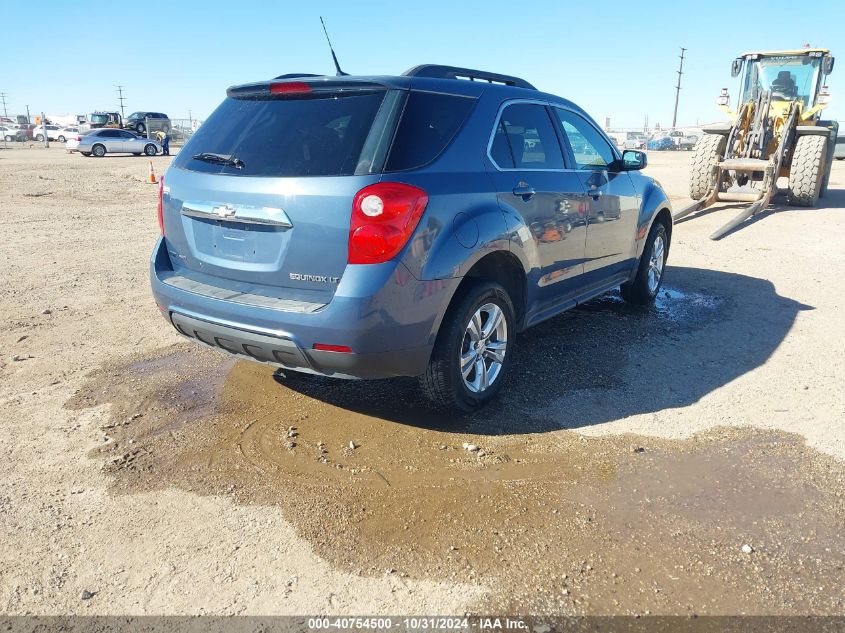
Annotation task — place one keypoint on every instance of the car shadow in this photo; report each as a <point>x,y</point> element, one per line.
<point>603,360</point>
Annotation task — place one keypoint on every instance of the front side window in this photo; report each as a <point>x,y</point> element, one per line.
<point>589,148</point>
<point>525,139</point>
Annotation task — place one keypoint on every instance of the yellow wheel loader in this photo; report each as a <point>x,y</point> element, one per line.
<point>775,131</point>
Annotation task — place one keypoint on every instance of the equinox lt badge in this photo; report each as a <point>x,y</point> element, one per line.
<point>323,279</point>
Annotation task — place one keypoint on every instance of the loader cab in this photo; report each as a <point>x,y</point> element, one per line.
<point>787,75</point>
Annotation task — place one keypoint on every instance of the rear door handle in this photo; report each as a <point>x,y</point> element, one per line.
<point>524,191</point>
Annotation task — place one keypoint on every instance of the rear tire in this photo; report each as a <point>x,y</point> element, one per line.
<point>643,288</point>
<point>8,139</point>
<point>99,150</point>
<point>807,171</point>
<point>708,150</point>
<point>444,382</point>
<point>39,137</point>
<point>140,128</point>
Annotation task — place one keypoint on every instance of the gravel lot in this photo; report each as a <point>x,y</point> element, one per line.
<point>686,458</point>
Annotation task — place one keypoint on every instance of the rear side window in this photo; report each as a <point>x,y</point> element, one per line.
<point>526,139</point>
<point>322,136</point>
<point>429,122</point>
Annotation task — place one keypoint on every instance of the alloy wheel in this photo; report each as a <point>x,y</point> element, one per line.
<point>484,347</point>
<point>655,264</point>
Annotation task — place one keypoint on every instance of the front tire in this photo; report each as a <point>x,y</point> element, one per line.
<point>62,139</point>
<point>806,174</point>
<point>643,288</point>
<point>474,349</point>
<point>708,150</point>
<point>39,137</point>
<point>150,150</point>
<point>8,138</point>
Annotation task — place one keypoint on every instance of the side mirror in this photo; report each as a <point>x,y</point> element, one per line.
<point>633,160</point>
<point>736,67</point>
<point>827,65</point>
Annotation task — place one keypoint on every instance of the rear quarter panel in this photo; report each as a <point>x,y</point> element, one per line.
<point>462,222</point>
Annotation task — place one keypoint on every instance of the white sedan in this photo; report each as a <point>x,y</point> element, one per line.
<point>8,133</point>
<point>67,133</point>
<point>50,131</point>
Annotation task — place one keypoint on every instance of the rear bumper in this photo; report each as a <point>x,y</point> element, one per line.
<point>283,351</point>
<point>387,317</point>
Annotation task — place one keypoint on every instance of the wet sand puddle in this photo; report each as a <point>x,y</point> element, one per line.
<point>551,521</point>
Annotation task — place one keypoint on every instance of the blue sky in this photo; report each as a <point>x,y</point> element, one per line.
<point>616,59</point>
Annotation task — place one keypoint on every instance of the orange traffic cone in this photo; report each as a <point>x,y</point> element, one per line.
<point>152,179</point>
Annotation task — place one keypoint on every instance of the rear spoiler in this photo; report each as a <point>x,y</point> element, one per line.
<point>304,86</point>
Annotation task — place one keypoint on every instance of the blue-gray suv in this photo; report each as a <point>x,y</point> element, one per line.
<point>369,227</point>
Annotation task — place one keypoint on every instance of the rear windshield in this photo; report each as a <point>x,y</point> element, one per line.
<point>285,137</point>
<point>328,136</point>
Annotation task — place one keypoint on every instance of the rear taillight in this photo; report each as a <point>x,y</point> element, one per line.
<point>384,216</point>
<point>78,138</point>
<point>161,205</point>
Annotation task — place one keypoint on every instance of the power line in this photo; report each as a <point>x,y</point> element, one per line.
<point>678,88</point>
<point>121,98</point>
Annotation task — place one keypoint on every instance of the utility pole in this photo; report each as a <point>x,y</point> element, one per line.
<point>28,121</point>
<point>3,96</point>
<point>121,98</point>
<point>678,88</point>
<point>44,127</point>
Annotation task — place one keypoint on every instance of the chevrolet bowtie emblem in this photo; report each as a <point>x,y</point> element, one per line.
<point>224,211</point>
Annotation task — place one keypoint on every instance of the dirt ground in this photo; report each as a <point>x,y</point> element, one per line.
<point>685,458</point>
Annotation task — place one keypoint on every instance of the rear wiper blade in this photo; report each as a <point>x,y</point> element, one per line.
<point>222,159</point>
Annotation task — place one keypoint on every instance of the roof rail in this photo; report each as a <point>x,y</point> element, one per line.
<point>455,72</point>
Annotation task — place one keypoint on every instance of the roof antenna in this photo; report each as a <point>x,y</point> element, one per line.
<point>340,73</point>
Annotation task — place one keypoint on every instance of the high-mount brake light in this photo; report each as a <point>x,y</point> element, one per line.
<point>290,87</point>
<point>161,205</point>
<point>384,216</point>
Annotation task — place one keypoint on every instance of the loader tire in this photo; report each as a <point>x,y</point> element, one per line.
<point>708,150</point>
<point>807,171</point>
